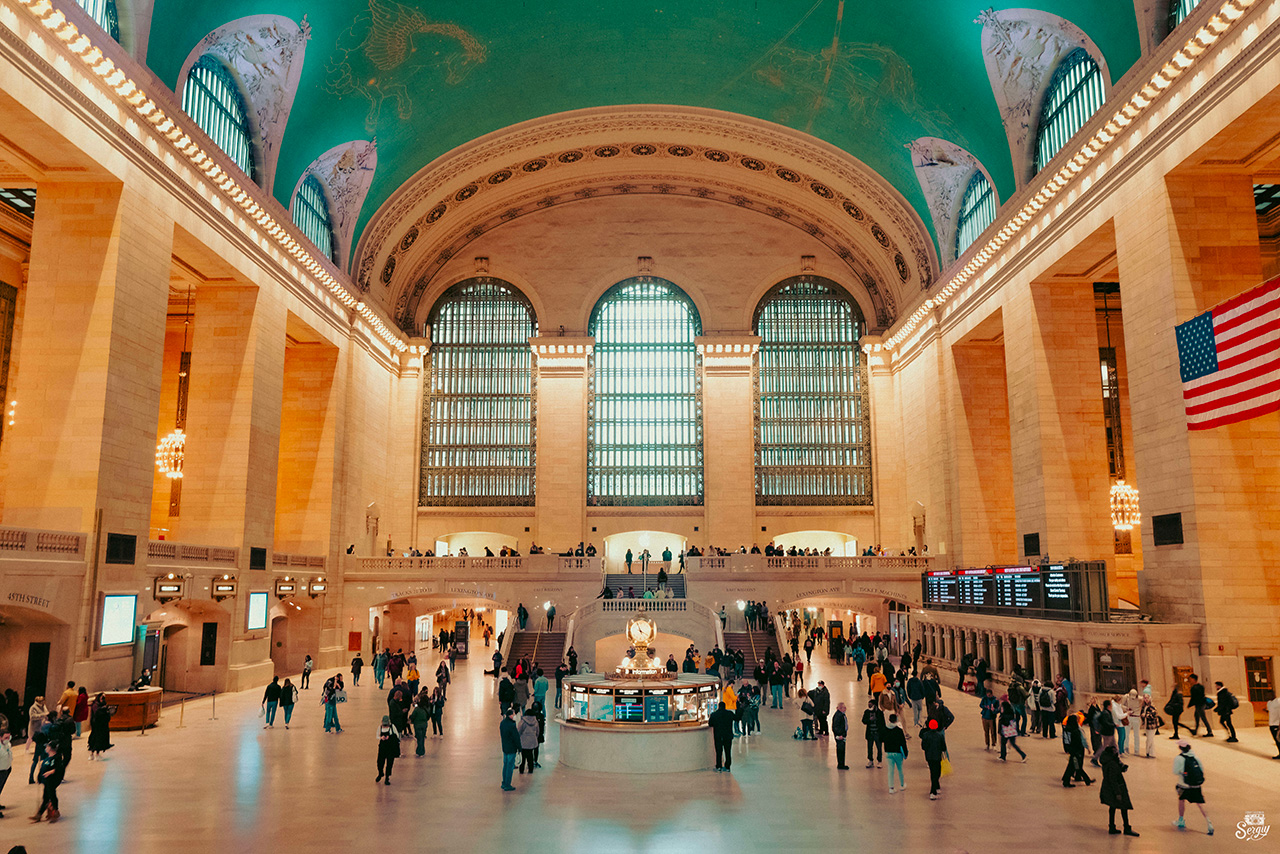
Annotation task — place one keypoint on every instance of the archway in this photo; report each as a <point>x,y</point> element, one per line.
<point>841,545</point>
<point>195,644</point>
<point>34,649</point>
<point>295,634</point>
<point>616,546</point>
<point>475,542</point>
<point>414,623</point>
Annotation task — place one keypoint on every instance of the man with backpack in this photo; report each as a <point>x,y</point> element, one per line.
<point>1190,777</point>
<point>1227,703</point>
<point>1199,704</point>
<point>1047,704</point>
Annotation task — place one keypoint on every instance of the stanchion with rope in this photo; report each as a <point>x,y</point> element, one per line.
<point>213,711</point>
<point>182,711</point>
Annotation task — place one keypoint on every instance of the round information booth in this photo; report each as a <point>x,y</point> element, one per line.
<point>640,719</point>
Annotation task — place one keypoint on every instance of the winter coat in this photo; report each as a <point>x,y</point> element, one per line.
<point>510,736</point>
<point>528,729</point>
<point>1113,792</point>
<point>895,740</point>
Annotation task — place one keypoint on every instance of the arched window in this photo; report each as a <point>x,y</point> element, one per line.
<point>644,433</point>
<point>977,211</point>
<point>106,15</point>
<point>212,97</point>
<point>311,213</point>
<point>1075,93</point>
<point>1179,10</point>
<point>813,427</point>
<point>478,406</point>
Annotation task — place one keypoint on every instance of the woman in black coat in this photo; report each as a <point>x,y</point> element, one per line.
<point>1073,743</point>
<point>99,727</point>
<point>1113,792</point>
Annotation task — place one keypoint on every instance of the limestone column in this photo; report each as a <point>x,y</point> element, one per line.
<point>1184,246</point>
<point>404,451</point>
<point>728,417</point>
<point>888,456</point>
<point>1061,484</point>
<point>560,514</point>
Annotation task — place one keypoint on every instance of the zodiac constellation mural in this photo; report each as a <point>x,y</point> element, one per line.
<point>378,56</point>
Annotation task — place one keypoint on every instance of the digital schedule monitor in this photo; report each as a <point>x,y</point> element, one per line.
<point>118,619</point>
<point>1074,591</point>
<point>257,611</point>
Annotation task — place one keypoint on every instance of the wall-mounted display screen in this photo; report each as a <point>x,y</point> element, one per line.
<point>119,615</point>
<point>257,611</point>
<point>1074,591</point>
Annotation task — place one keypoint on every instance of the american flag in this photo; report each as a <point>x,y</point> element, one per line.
<point>1230,359</point>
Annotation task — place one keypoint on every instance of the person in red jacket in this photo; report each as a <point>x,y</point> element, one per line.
<point>81,713</point>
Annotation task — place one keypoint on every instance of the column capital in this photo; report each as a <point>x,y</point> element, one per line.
<point>727,355</point>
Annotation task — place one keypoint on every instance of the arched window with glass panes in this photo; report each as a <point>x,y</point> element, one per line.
<point>1179,10</point>
<point>212,97</point>
<point>644,416</point>
<point>478,412</point>
<point>813,425</point>
<point>105,13</point>
<point>978,208</point>
<point>311,214</point>
<point>1075,93</point>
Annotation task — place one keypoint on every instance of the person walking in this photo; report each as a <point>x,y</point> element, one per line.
<point>1199,704</point>
<point>414,678</point>
<point>6,761</point>
<point>1273,721</point>
<point>989,708</point>
<point>895,749</point>
<point>1008,726</point>
<point>388,750</point>
<point>551,617</point>
<point>1149,720</point>
<point>1173,708</point>
<point>510,736</point>
<point>629,558</point>
<point>1113,792</point>
<point>288,696</point>
<point>528,730</point>
<point>721,721</point>
<point>437,712</point>
<point>1073,744</point>
<point>81,712</point>
<point>933,742</point>
<point>37,717</point>
<point>99,728</point>
<point>1227,704</point>
<point>1189,776</point>
<point>840,730</point>
<point>915,694</point>
<point>49,776</point>
<point>270,700</point>
<point>307,666</point>
<point>419,718</point>
<point>873,723</point>
<point>357,664</point>
<point>329,699</point>
<point>540,688</point>
<point>379,667</point>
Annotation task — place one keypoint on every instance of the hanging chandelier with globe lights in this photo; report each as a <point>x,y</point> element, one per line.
<point>1124,506</point>
<point>170,454</point>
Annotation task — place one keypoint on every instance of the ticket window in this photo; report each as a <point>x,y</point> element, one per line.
<point>578,706</point>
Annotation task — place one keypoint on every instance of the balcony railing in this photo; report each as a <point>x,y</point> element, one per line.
<point>160,552</point>
<point>285,561</point>
<point>525,565</point>
<point>749,563</point>
<point>33,544</point>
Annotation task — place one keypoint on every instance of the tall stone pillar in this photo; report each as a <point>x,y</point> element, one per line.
<point>1184,246</point>
<point>888,456</point>
<point>1061,484</point>
<point>560,515</point>
<point>728,462</point>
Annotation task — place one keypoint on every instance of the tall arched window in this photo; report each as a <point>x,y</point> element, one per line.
<point>212,97</point>
<point>1075,93</point>
<point>1179,10</point>
<point>105,13</point>
<point>813,427</point>
<point>977,211</point>
<point>644,434</point>
<point>311,213</point>
<point>478,407</point>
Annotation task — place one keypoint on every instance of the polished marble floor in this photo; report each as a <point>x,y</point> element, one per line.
<point>229,785</point>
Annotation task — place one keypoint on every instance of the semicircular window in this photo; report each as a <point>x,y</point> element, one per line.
<point>478,416</point>
<point>1075,93</point>
<point>105,13</point>
<point>813,426</point>
<point>644,419</point>
<point>977,211</point>
<point>311,214</point>
<point>212,97</point>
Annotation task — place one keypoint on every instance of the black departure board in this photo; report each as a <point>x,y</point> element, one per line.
<point>1074,591</point>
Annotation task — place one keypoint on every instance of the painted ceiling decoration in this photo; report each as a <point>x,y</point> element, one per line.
<point>944,170</point>
<point>1022,48</point>
<point>681,151</point>
<point>428,77</point>
<point>265,53</point>
<point>346,171</point>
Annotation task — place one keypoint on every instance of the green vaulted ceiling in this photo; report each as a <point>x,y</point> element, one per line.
<point>425,77</point>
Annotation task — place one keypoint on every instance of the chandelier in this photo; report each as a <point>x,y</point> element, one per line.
<point>170,454</point>
<point>1124,506</point>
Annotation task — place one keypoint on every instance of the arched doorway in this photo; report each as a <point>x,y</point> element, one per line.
<point>34,650</point>
<point>841,545</point>
<point>475,542</point>
<point>295,634</point>
<point>195,644</point>
<point>414,623</point>
<point>616,546</point>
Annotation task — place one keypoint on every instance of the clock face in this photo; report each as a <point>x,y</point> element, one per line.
<point>641,631</point>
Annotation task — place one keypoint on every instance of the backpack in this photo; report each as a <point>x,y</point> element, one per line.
<point>1046,699</point>
<point>1192,773</point>
<point>1232,703</point>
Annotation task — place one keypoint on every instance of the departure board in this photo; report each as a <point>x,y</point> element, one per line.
<point>1075,591</point>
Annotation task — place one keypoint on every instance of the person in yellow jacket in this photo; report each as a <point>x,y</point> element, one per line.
<point>729,699</point>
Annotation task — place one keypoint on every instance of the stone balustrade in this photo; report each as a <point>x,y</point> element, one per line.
<point>529,566</point>
<point>165,552</point>
<point>33,544</point>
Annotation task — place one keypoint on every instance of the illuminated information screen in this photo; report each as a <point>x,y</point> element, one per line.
<point>1076,591</point>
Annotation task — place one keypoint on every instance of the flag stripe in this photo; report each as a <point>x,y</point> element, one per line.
<point>1255,309</point>
<point>1256,369</point>
<point>1256,348</point>
<point>1271,403</point>
<point>1251,294</point>
<point>1250,393</point>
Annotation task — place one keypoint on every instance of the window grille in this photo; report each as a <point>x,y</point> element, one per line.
<point>21,199</point>
<point>311,214</point>
<point>813,426</point>
<point>105,13</point>
<point>212,97</point>
<point>644,434</point>
<point>478,413</point>
<point>1075,93</point>
<point>1179,10</point>
<point>977,211</point>
<point>1265,197</point>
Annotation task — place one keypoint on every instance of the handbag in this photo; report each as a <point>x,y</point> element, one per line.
<point>340,696</point>
<point>946,767</point>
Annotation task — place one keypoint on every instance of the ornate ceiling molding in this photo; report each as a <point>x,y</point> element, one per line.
<point>637,150</point>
